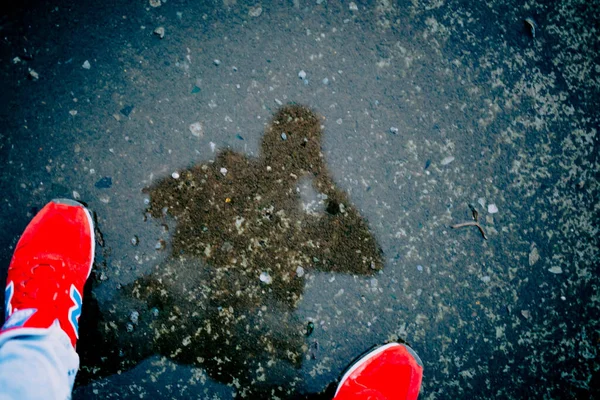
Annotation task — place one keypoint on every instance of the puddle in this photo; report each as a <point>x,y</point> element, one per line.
<point>246,235</point>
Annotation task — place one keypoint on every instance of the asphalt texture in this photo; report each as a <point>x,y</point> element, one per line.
<point>275,186</point>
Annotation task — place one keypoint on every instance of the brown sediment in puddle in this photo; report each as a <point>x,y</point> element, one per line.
<point>238,220</point>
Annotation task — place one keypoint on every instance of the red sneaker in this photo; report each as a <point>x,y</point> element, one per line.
<point>49,267</point>
<point>389,372</point>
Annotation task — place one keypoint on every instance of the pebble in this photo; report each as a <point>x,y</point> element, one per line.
<point>532,25</point>
<point>160,32</point>
<point>279,102</point>
<point>34,75</point>
<point>420,267</point>
<point>283,136</point>
<point>76,195</point>
<point>160,244</point>
<point>227,247</point>
<point>481,202</point>
<point>175,175</point>
<point>212,147</point>
<point>302,74</point>
<point>534,256</point>
<point>265,277</point>
<point>154,3</point>
<point>492,209</point>
<point>526,314</point>
<point>73,112</point>
<point>394,130</point>
<point>353,6</point>
<point>555,270</point>
<point>16,60</point>
<point>447,160</point>
<point>255,11</point>
<point>129,328</point>
<point>86,65</point>
<point>486,279</point>
<point>223,171</point>
<point>339,121</point>
<point>154,311</point>
<point>134,317</point>
<point>197,129</point>
<point>135,240</point>
<point>299,272</point>
<point>310,327</point>
<point>217,62</point>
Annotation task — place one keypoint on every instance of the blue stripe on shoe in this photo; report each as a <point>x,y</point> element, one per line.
<point>75,310</point>
<point>8,294</point>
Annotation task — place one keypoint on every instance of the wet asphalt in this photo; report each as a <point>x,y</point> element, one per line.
<point>427,110</point>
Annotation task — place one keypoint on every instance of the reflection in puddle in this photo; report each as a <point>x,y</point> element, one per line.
<point>247,232</point>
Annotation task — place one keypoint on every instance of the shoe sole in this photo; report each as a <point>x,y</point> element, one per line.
<point>371,354</point>
<point>90,219</point>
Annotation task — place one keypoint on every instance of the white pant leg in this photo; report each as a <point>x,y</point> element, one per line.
<point>37,366</point>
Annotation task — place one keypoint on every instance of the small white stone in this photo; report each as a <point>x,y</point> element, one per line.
<point>197,129</point>
<point>175,175</point>
<point>299,272</point>
<point>217,62</point>
<point>302,74</point>
<point>34,75</point>
<point>394,130</point>
<point>238,222</point>
<point>339,121</point>
<point>86,65</point>
<point>279,102</point>
<point>534,256</point>
<point>223,171</point>
<point>555,270</point>
<point>73,112</point>
<point>447,160</point>
<point>492,209</point>
<point>76,195</point>
<point>266,278</point>
<point>325,81</point>
<point>353,6</point>
<point>160,32</point>
<point>154,3</point>
<point>269,169</point>
<point>481,202</point>
<point>16,60</point>
<point>212,147</point>
<point>255,11</point>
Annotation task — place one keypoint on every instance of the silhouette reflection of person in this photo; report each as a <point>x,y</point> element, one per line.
<point>246,234</point>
